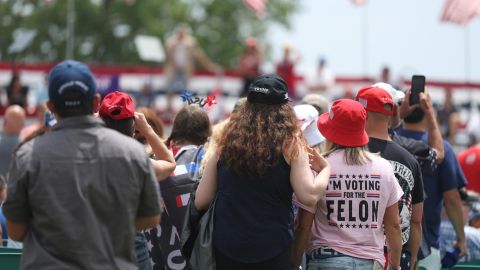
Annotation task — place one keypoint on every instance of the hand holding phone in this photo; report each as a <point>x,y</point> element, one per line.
<point>418,86</point>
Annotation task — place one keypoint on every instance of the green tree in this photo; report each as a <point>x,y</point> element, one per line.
<point>105,29</point>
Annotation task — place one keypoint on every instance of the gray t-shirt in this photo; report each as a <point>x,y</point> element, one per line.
<point>7,145</point>
<point>80,189</point>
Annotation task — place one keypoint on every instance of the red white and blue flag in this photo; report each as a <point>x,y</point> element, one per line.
<point>182,200</point>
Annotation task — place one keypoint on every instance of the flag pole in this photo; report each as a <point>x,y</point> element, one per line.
<point>365,39</point>
<point>466,41</point>
<point>69,49</point>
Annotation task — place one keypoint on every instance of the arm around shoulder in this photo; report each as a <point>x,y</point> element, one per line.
<point>307,187</point>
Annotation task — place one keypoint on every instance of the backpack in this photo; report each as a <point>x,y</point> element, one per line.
<point>164,240</point>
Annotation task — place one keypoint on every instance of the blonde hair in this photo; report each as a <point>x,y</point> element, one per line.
<point>354,156</point>
<point>212,144</point>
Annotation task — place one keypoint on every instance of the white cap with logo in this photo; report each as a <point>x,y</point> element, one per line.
<point>397,95</point>
<point>308,116</point>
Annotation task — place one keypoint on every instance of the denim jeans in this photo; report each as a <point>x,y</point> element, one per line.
<point>318,261</point>
<point>342,263</point>
<point>141,251</point>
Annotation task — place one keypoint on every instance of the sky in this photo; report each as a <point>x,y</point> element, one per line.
<point>406,35</point>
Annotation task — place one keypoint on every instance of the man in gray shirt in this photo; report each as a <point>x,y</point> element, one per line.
<point>77,194</point>
<point>12,125</point>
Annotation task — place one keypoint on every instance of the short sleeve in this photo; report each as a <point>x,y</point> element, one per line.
<point>310,209</point>
<point>417,192</point>
<point>396,191</point>
<point>149,195</point>
<point>447,175</point>
<point>424,154</point>
<point>461,179</point>
<point>16,208</point>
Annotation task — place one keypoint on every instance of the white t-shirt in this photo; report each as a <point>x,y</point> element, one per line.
<point>323,77</point>
<point>180,55</point>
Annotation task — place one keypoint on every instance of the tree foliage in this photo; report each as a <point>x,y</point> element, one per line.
<point>105,29</point>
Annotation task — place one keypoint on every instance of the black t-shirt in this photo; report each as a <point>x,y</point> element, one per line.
<point>409,176</point>
<point>425,155</point>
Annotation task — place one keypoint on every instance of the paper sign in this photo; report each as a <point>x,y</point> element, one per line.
<point>149,48</point>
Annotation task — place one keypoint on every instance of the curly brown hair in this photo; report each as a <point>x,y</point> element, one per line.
<point>255,137</point>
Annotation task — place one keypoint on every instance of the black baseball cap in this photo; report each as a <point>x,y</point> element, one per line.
<point>71,84</point>
<point>268,89</point>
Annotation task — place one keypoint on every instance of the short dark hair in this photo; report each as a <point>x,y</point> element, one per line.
<point>416,116</point>
<point>125,126</point>
<point>191,125</point>
<point>66,111</point>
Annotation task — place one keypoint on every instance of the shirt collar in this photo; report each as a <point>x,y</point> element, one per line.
<point>78,122</point>
<point>412,133</point>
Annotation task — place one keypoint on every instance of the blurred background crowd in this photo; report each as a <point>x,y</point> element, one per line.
<point>159,51</point>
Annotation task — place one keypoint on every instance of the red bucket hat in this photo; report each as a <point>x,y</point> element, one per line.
<point>344,124</point>
<point>117,105</point>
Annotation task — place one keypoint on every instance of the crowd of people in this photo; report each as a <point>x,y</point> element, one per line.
<point>370,182</point>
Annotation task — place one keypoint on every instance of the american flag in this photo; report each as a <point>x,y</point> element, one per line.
<point>460,11</point>
<point>258,6</point>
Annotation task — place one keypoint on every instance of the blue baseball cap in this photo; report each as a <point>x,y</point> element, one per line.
<point>71,84</point>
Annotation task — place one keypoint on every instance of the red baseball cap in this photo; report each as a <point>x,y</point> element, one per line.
<point>374,99</point>
<point>344,124</point>
<point>117,105</point>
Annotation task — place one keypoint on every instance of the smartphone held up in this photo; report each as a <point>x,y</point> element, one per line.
<point>418,86</point>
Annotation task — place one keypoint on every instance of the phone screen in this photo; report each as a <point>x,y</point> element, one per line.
<point>418,86</point>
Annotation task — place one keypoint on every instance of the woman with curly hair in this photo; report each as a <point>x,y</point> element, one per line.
<point>260,160</point>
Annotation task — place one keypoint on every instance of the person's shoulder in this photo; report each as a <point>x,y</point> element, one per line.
<point>113,138</point>
<point>26,148</point>
<point>336,156</point>
<point>400,150</point>
<point>448,147</point>
<point>378,161</point>
<point>171,40</point>
<point>450,156</point>
<point>407,157</point>
<point>381,166</point>
<point>410,143</point>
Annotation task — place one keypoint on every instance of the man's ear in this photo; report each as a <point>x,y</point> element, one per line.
<point>51,107</point>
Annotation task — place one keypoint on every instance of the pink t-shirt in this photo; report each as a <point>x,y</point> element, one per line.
<point>349,217</point>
